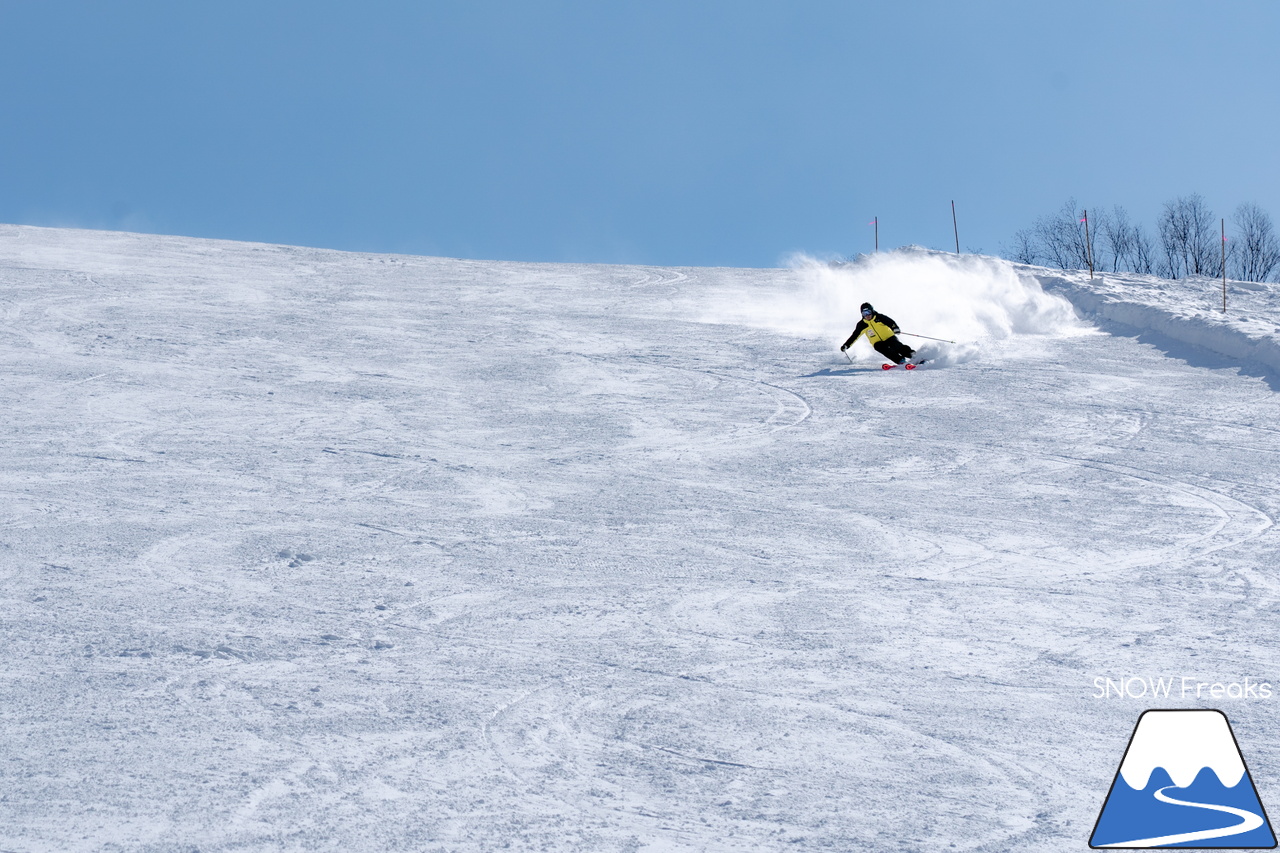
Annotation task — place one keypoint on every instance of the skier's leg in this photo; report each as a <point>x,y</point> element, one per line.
<point>894,350</point>
<point>886,349</point>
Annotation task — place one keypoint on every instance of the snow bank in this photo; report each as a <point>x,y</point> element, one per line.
<point>1188,310</point>
<point>963,298</point>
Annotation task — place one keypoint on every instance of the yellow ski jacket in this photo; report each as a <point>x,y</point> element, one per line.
<point>877,328</point>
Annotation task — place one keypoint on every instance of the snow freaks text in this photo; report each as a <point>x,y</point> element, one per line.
<point>1178,687</point>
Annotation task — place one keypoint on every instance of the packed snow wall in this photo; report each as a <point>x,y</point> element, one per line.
<point>969,299</point>
<point>1183,311</point>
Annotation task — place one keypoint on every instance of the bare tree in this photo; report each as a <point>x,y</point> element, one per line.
<point>1122,240</point>
<point>1095,251</point>
<point>1053,240</point>
<point>1127,244</point>
<point>1024,249</point>
<point>1144,251</point>
<point>1255,252</point>
<point>1059,239</point>
<point>1188,240</point>
<point>1117,238</point>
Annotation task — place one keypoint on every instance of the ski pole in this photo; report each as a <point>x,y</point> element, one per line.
<point>926,337</point>
<point>846,355</point>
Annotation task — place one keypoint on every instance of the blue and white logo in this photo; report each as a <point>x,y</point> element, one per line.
<point>1183,783</point>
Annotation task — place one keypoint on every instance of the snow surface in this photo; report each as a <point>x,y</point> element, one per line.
<point>1186,311</point>
<point>306,550</point>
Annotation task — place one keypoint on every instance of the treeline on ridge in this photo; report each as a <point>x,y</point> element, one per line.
<point>1187,242</point>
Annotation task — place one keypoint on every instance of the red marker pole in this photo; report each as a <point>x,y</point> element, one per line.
<point>1088,246</point>
<point>1224,266</point>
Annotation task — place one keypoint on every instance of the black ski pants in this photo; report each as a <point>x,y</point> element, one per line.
<point>894,349</point>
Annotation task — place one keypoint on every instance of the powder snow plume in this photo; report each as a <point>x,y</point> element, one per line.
<point>969,299</point>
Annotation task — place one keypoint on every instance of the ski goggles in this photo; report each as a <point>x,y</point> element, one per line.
<point>867,312</point>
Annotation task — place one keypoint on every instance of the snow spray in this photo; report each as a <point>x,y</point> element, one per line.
<point>972,299</point>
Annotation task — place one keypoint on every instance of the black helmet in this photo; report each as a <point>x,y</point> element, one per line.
<point>866,308</point>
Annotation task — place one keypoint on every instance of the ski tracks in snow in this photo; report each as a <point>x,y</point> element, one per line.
<point>1232,522</point>
<point>704,409</point>
<point>620,748</point>
<point>1237,522</point>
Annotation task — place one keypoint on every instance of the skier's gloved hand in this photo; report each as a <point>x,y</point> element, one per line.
<point>842,349</point>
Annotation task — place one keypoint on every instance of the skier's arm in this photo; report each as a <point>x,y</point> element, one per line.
<point>857,330</point>
<point>888,321</point>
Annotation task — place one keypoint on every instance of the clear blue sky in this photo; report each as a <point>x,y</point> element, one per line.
<point>662,131</point>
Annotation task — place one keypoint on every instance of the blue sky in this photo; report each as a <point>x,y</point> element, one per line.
<point>680,133</point>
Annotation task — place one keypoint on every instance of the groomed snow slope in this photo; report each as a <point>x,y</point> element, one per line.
<point>305,550</point>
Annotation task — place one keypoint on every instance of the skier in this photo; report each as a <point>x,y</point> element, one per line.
<point>882,332</point>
